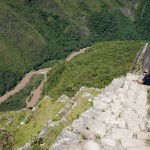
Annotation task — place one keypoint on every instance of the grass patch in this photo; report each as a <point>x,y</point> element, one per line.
<point>18,100</point>
<point>148,140</point>
<point>37,121</point>
<point>34,121</point>
<point>83,104</point>
<point>16,116</point>
<point>49,64</point>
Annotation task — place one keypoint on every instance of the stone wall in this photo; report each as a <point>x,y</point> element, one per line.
<point>146,59</point>
<point>142,60</point>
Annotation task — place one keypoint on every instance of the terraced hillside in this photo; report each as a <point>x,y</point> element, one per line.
<point>117,110</point>
<point>40,127</point>
<point>33,32</point>
<point>30,128</point>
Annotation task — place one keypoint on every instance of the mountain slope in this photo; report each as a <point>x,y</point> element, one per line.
<point>97,67</point>
<point>37,31</point>
<point>22,48</point>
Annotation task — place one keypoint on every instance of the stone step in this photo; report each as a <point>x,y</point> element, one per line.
<point>119,133</point>
<point>90,128</point>
<point>90,113</point>
<point>140,109</point>
<point>109,141</point>
<point>143,135</point>
<point>131,95</point>
<point>141,98</point>
<point>128,143</point>
<point>134,86</point>
<point>119,123</point>
<point>116,108</point>
<point>131,77</point>
<point>100,105</point>
<point>134,126</point>
<point>105,117</point>
<point>129,115</point>
<point>115,84</point>
<point>90,145</point>
<point>121,91</point>
<point>140,148</point>
<point>67,140</point>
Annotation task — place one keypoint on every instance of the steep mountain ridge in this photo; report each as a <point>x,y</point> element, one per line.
<point>34,31</point>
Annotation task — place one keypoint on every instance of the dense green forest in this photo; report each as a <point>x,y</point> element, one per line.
<point>33,32</point>
<point>95,68</point>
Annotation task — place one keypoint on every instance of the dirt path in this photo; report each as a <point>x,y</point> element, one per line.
<point>26,79</point>
<point>23,83</point>
<point>36,94</point>
<point>72,55</point>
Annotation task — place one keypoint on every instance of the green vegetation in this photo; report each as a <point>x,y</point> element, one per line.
<point>33,32</point>
<point>24,125</point>
<point>22,48</point>
<point>34,121</point>
<point>148,140</point>
<point>18,100</point>
<point>37,34</point>
<point>49,64</point>
<point>95,68</point>
<point>142,19</point>
<point>82,105</point>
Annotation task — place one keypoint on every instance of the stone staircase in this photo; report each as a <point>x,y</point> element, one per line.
<point>116,121</point>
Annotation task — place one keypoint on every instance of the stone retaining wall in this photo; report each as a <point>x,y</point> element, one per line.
<point>142,60</point>
<point>146,59</point>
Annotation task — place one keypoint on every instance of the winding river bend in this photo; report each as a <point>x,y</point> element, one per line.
<point>26,79</point>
